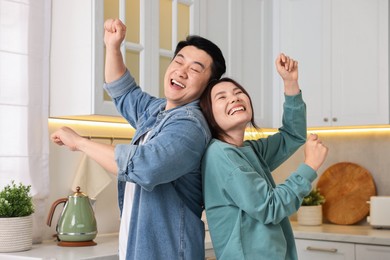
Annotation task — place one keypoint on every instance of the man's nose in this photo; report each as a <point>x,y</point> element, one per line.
<point>181,72</point>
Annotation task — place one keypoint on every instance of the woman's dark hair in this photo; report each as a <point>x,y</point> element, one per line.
<point>218,67</point>
<point>207,108</point>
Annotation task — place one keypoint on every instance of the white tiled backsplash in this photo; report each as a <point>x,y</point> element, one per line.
<point>369,150</point>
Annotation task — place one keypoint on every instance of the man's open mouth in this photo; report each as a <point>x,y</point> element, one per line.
<point>174,82</point>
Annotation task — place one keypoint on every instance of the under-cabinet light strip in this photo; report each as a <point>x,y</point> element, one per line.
<point>249,132</point>
<point>335,130</point>
<point>89,123</point>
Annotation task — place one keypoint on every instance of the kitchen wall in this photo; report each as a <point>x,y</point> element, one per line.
<point>370,150</point>
<point>64,165</point>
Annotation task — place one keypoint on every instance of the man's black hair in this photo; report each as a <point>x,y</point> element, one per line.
<point>218,67</point>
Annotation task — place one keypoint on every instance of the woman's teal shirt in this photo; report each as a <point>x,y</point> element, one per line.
<point>246,212</point>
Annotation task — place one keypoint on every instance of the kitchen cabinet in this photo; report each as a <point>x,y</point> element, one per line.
<point>364,252</point>
<point>76,61</point>
<point>324,250</point>
<point>330,250</point>
<point>343,54</point>
<point>243,31</point>
<point>77,50</point>
<point>341,242</point>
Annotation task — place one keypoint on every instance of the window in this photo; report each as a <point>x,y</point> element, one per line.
<point>153,30</point>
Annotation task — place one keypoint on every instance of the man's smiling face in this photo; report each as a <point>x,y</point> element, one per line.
<point>187,76</point>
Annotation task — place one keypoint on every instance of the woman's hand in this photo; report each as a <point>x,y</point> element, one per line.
<point>315,152</point>
<point>287,67</point>
<point>288,70</point>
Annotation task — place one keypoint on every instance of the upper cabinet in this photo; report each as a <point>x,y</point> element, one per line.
<point>76,61</point>
<point>343,51</point>
<point>77,50</point>
<point>243,31</point>
<point>342,47</point>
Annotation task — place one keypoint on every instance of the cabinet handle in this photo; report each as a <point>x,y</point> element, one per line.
<point>334,119</point>
<point>326,119</point>
<point>329,250</point>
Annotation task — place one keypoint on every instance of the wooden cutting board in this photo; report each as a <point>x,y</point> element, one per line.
<point>346,187</point>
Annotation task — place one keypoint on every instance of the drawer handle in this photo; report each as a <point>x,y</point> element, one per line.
<point>328,250</point>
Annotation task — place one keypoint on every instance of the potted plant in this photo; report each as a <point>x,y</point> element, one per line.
<point>310,212</point>
<point>16,208</point>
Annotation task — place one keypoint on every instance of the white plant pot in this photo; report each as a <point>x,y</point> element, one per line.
<point>310,215</point>
<point>16,234</point>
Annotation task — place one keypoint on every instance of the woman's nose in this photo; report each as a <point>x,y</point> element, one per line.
<point>234,99</point>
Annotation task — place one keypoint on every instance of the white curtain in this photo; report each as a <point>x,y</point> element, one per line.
<point>24,99</point>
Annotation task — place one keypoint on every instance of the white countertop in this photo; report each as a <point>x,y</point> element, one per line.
<point>361,234</point>
<point>107,245</point>
<point>106,248</point>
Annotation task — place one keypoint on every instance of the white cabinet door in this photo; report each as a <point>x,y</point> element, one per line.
<point>370,252</point>
<point>321,250</point>
<point>243,31</point>
<point>360,69</point>
<point>342,49</point>
<point>77,51</point>
<point>304,34</point>
<point>76,62</point>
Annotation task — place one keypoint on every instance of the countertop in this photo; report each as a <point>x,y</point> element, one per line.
<point>106,248</point>
<point>107,245</point>
<point>361,234</point>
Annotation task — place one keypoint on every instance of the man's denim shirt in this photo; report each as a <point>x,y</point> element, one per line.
<point>167,207</point>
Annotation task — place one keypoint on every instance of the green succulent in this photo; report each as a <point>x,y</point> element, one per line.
<point>314,198</point>
<point>15,201</point>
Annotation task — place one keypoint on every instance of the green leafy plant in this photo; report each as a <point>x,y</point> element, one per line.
<point>15,201</point>
<point>314,198</point>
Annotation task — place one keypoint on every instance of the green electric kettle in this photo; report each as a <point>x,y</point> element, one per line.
<point>77,221</point>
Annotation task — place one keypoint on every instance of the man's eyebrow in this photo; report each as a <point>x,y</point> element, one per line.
<point>195,62</point>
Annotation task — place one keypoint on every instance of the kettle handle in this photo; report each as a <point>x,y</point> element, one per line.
<point>52,209</point>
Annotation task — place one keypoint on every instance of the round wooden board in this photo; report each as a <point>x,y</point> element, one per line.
<point>346,187</point>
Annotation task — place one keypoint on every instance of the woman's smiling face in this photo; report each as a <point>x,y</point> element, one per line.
<point>231,107</point>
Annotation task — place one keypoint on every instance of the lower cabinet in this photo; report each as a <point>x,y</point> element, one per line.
<point>326,250</point>
<point>371,252</point>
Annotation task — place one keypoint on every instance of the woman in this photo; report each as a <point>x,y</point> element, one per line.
<point>246,212</point>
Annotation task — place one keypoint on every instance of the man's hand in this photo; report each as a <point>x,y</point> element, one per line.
<point>66,136</point>
<point>114,33</point>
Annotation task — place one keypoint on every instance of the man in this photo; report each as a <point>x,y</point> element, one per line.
<point>159,179</point>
